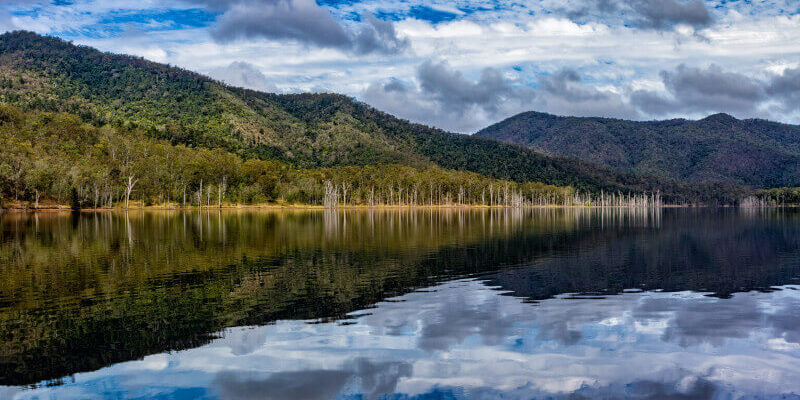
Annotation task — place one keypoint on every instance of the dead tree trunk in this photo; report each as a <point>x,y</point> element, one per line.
<point>221,190</point>
<point>129,188</point>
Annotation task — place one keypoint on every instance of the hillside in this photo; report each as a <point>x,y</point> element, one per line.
<point>43,74</point>
<point>719,148</point>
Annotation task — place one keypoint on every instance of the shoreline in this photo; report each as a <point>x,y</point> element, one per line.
<point>311,207</point>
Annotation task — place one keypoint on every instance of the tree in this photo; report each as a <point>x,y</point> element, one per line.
<point>131,183</point>
<point>40,179</point>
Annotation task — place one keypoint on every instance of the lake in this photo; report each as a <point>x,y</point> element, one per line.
<point>399,304</point>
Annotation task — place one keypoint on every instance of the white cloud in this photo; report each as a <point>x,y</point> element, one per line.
<point>243,74</point>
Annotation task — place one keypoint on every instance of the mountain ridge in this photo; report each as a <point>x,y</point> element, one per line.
<point>717,148</point>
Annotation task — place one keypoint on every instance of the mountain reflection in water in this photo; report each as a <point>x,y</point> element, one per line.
<point>431,304</point>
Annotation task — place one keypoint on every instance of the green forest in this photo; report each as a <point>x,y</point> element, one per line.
<point>56,158</point>
<point>87,129</point>
<point>719,148</point>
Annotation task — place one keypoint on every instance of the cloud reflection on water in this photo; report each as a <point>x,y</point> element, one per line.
<point>464,339</point>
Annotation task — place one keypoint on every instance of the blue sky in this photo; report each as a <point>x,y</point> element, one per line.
<point>461,65</point>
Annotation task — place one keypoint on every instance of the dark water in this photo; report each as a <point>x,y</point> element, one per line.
<point>513,304</point>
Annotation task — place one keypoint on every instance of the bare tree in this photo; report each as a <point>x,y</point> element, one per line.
<point>129,188</point>
<point>331,198</point>
<point>345,187</point>
<point>221,190</point>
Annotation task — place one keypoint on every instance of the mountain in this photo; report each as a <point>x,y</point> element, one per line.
<point>718,148</point>
<point>46,74</point>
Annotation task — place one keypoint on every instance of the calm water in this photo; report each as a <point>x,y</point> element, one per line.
<point>513,304</point>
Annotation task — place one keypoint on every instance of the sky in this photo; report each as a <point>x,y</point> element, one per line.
<point>465,64</point>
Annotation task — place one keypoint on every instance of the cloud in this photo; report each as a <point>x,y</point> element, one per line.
<point>301,20</point>
<point>712,321</point>
<point>566,94</point>
<point>313,384</point>
<point>445,98</point>
<point>711,89</point>
<point>786,88</point>
<point>458,94</point>
<point>785,321</point>
<point>661,14</point>
<point>374,378</point>
<point>679,388</point>
<point>243,74</point>
<point>378,36</point>
<point>644,14</point>
<point>6,24</point>
<point>244,340</point>
<point>306,22</point>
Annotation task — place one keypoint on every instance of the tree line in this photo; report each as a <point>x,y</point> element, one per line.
<point>784,196</point>
<point>56,159</point>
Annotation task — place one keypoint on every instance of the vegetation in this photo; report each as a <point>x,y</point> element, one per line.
<point>719,148</point>
<point>784,196</point>
<point>56,157</point>
<point>302,140</point>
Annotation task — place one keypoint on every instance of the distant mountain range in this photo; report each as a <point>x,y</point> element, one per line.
<point>718,148</point>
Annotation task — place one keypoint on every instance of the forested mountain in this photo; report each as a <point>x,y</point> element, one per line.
<point>53,86</point>
<point>719,148</point>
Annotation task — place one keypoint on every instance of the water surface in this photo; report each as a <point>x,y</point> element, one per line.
<point>542,303</point>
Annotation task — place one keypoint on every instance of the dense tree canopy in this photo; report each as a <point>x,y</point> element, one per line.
<point>719,148</point>
<point>56,157</point>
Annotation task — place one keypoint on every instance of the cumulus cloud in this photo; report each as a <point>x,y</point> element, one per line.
<point>444,97</point>
<point>646,14</point>
<point>306,22</point>
<point>712,89</point>
<point>374,378</point>
<point>378,36</point>
<point>243,74</point>
<point>786,88</point>
<point>567,94</point>
<point>302,20</point>
<point>695,89</point>
<point>660,14</point>
<point>457,94</point>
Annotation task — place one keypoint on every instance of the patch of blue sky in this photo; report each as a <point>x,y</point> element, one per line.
<point>351,16</point>
<point>91,32</point>
<point>119,22</point>
<point>433,12</point>
<point>760,7</point>
<point>423,13</point>
<point>35,12</point>
<point>390,15</point>
<point>186,18</point>
<point>337,3</point>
